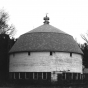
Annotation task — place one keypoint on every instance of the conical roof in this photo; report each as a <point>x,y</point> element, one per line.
<point>46,38</point>
<point>46,28</point>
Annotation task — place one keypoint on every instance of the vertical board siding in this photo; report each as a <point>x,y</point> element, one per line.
<point>43,62</point>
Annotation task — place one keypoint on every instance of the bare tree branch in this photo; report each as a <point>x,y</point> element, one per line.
<point>4,27</point>
<point>84,38</point>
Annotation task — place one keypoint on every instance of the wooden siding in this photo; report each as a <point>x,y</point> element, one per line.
<point>44,62</point>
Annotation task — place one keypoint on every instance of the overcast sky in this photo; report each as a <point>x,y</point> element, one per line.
<point>70,16</point>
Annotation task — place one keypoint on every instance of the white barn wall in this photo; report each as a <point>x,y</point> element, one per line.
<point>43,62</point>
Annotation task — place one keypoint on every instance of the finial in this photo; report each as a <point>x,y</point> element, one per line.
<point>46,19</point>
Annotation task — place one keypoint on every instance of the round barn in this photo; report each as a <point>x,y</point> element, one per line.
<point>45,54</point>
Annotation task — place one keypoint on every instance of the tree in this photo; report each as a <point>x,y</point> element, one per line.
<point>4,27</point>
<point>6,31</point>
<point>84,37</point>
<point>84,48</point>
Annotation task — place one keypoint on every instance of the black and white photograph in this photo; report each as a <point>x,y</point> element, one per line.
<point>44,43</point>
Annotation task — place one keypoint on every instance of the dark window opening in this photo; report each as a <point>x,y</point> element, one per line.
<point>82,76</point>
<point>44,74</point>
<point>74,76</point>
<point>51,53</point>
<point>21,75</point>
<point>48,75</point>
<point>27,75</point>
<point>71,75</point>
<point>28,53</point>
<point>79,75</point>
<point>70,54</point>
<point>35,75</point>
<point>59,76</point>
<point>16,75</point>
<point>39,75</point>
<point>31,76</point>
<point>68,76</point>
<point>64,76</point>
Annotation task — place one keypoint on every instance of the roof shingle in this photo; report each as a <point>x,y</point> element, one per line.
<point>46,38</point>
